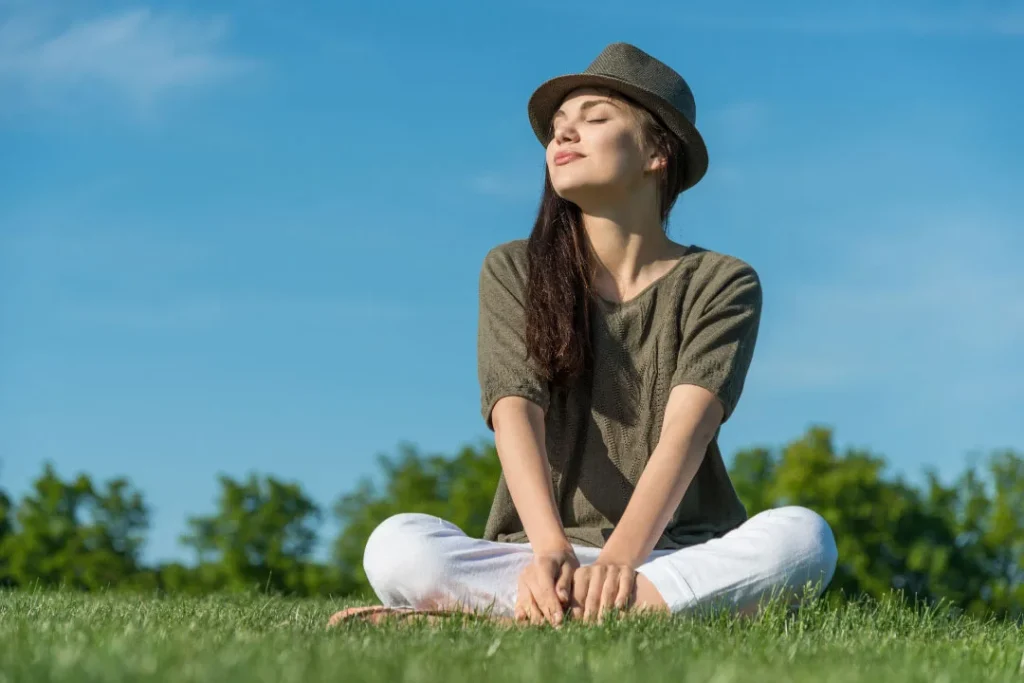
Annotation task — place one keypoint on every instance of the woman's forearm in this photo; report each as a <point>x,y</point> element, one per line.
<point>658,492</point>
<point>519,438</point>
<point>691,420</point>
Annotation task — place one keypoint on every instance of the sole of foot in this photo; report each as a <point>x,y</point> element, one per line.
<point>380,614</point>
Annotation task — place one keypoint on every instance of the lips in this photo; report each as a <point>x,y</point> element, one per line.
<point>563,158</point>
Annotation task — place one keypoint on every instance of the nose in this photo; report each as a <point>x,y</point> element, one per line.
<point>564,131</point>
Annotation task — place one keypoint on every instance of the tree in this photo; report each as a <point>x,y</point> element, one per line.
<point>458,489</point>
<point>987,511</point>
<point>753,476</point>
<point>5,531</point>
<point>73,534</point>
<point>863,508</point>
<point>963,544</point>
<point>261,537</point>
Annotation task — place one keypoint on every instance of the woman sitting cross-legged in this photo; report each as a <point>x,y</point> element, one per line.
<point>609,358</point>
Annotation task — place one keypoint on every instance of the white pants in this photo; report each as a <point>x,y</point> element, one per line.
<point>422,561</point>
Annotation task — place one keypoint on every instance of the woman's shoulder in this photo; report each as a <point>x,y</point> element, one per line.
<point>507,261</point>
<point>703,269</point>
<point>708,266</point>
<point>719,279</point>
<point>511,251</point>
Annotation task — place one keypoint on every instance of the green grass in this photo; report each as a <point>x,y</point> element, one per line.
<point>71,637</point>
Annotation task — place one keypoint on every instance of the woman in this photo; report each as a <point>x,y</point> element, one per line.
<point>609,357</point>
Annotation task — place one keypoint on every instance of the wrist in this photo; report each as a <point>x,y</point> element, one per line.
<point>609,556</point>
<point>552,545</point>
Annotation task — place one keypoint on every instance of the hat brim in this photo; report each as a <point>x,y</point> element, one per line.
<point>546,100</point>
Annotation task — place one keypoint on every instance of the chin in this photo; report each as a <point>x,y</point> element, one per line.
<point>578,193</point>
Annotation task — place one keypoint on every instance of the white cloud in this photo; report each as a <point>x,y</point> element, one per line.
<point>739,121</point>
<point>866,18</point>
<point>139,55</point>
<point>209,310</point>
<point>506,185</point>
<point>46,257</point>
<point>147,281</point>
<point>930,298</point>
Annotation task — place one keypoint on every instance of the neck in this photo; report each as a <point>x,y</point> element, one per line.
<point>628,244</point>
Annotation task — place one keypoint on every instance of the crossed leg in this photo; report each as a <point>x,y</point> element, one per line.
<point>418,562</point>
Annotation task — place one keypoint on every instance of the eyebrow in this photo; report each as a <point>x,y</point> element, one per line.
<point>585,106</point>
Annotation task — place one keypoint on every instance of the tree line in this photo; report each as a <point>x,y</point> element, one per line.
<point>961,543</point>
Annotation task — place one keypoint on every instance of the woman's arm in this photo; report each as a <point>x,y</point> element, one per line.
<point>716,351</point>
<point>544,584</point>
<point>519,438</point>
<point>691,418</point>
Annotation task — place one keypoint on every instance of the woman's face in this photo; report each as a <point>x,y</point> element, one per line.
<point>595,152</point>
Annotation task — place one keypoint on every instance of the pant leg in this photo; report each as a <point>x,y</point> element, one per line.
<point>775,551</point>
<point>423,561</point>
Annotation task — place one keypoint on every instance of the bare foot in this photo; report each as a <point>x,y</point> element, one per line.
<point>647,597</point>
<point>378,614</point>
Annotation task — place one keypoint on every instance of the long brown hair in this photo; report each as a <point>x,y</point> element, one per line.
<point>560,262</point>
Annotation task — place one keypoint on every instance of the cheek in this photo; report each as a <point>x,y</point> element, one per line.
<point>619,157</point>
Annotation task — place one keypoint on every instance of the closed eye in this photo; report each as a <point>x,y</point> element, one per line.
<point>596,120</point>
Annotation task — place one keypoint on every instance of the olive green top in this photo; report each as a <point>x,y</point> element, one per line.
<point>697,324</point>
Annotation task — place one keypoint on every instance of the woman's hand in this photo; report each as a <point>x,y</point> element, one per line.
<point>600,587</point>
<point>544,587</point>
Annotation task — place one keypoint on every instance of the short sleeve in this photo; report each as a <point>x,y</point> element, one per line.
<point>718,340</point>
<point>502,364</point>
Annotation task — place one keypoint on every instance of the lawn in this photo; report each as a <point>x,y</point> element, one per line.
<point>71,637</point>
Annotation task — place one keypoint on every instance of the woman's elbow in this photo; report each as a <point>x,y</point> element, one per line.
<point>513,413</point>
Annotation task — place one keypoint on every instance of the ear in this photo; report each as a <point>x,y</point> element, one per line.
<point>656,162</point>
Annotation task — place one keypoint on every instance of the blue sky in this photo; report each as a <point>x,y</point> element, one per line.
<point>245,236</point>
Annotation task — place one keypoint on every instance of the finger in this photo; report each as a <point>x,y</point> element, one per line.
<point>580,583</point>
<point>519,610</point>
<point>524,597</point>
<point>564,584</point>
<point>536,616</point>
<point>522,611</point>
<point>609,590</point>
<point>593,601</point>
<point>625,596</point>
<point>543,589</point>
<point>530,602</point>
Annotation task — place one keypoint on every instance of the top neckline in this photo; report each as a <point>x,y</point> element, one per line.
<point>619,305</point>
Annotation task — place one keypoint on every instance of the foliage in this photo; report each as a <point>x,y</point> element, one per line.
<point>962,543</point>
<point>262,536</point>
<point>458,489</point>
<point>73,533</point>
<point>959,544</point>
<point>6,527</point>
